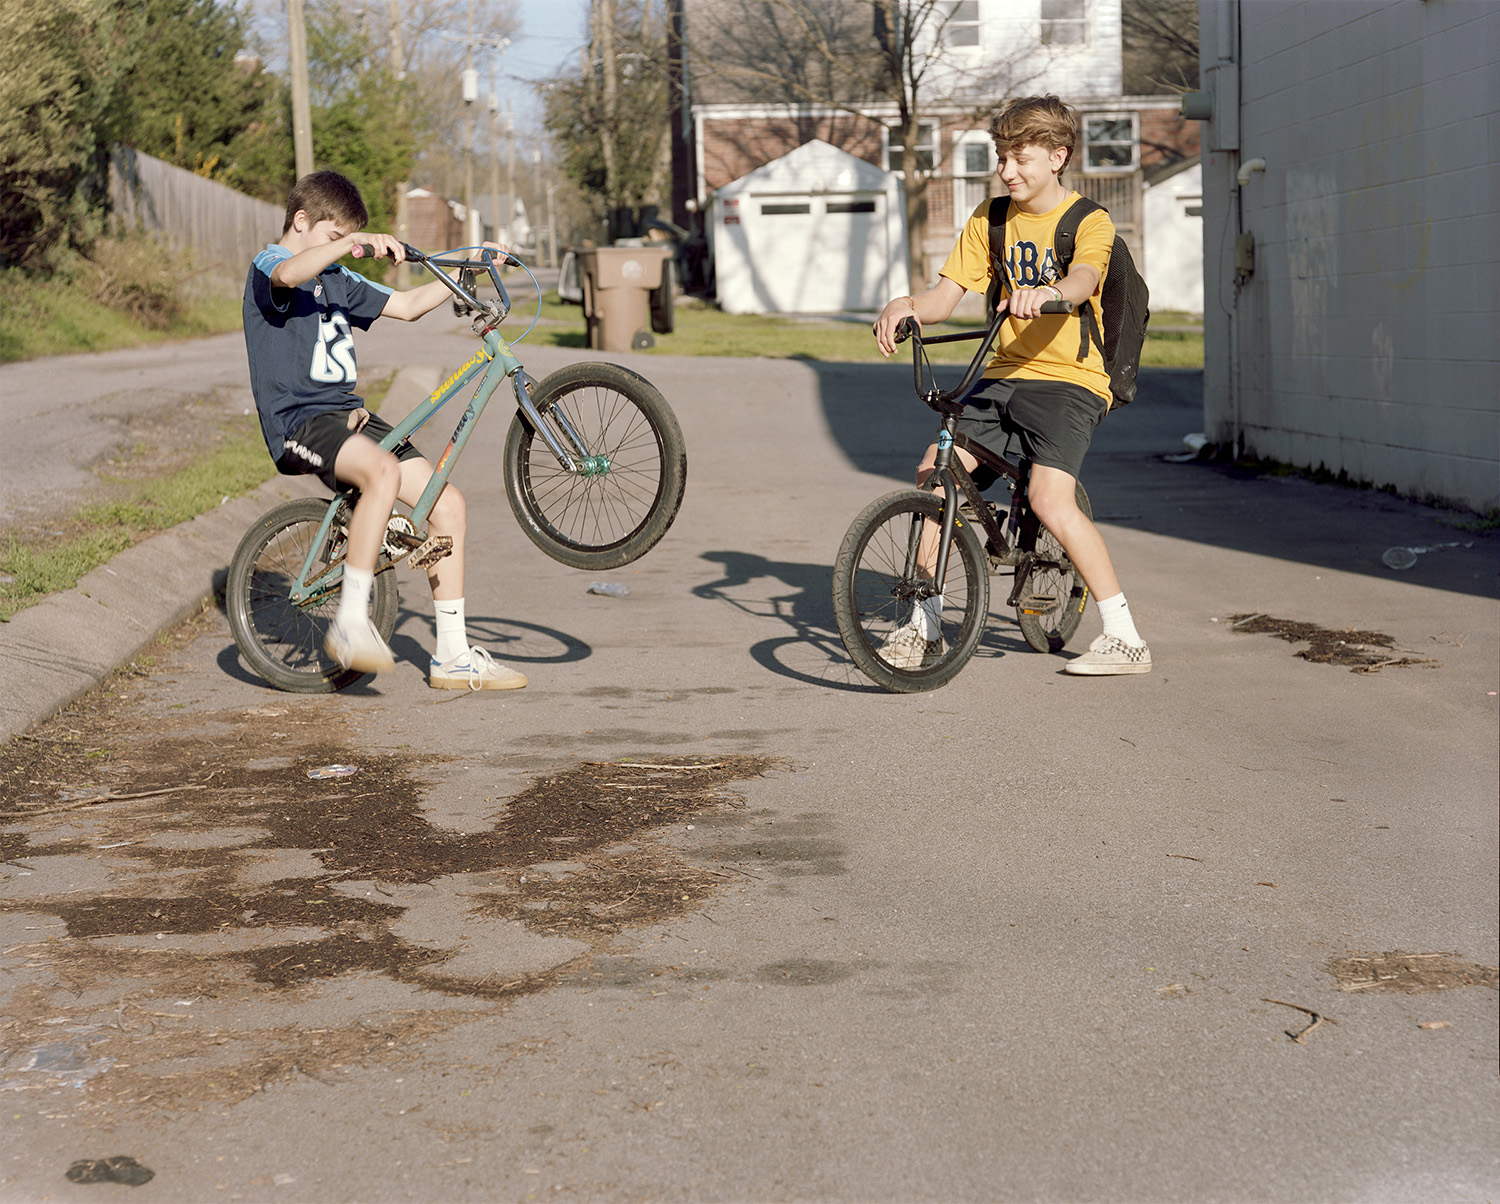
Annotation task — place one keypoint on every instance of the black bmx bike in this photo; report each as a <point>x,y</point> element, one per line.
<point>936,547</point>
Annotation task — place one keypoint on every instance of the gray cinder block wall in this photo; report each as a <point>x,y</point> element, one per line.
<point>1366,339</point>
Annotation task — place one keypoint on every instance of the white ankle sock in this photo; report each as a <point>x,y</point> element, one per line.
<point>927,616</point>
<point>452,639</point>
<point>354,597</point>
<point>1117,621</point>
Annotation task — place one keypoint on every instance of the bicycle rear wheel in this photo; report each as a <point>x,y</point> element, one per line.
<point>619,503</point>
<point>1054,596</point>
<point>280,640</point>
<point>876,584</point>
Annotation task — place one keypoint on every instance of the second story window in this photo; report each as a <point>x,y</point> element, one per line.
<point>926,148</point>
<point>1065,22</point>
<point>960,22</point>
<point>1109,143</point>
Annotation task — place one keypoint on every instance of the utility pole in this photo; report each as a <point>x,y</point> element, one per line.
<point>471,93</point>
<point>510,163</point>
<point>301,108</point>
<point>604,39</point>
<point>398,69</point>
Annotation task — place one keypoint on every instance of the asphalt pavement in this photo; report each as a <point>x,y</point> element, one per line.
<point>1028,937</point>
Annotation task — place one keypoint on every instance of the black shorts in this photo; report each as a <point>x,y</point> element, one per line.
<point>1053,422</point>
<point>314,446</point>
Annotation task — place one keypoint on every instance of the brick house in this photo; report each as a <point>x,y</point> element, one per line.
<point>1075,52</point>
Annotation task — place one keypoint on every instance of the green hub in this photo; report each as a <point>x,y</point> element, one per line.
<point>595,466</point>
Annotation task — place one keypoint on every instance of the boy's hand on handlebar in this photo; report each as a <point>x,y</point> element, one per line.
<point>1028,302</point>
<point>891,317</point>
<point>379,245</point>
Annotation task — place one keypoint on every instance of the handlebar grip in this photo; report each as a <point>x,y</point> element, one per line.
<point>1058,307</point>
<point>904,330</point>
<point>364,250</point>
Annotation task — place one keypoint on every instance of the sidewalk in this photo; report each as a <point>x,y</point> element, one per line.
<point>65,645</point>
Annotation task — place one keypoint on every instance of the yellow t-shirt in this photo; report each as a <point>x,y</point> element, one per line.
<point>1044,348</point>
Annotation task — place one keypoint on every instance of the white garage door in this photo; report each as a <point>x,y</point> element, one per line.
<point>819,254</point>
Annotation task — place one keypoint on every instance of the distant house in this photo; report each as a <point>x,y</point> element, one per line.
<point>991,49</point>
<point>1350,216</point>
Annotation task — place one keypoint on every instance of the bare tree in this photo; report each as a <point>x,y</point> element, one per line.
<point>1160,45</point>
<point>888,61</point>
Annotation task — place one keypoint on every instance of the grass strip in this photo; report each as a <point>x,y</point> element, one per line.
<point>235,466</point>
<point>56,317</point>
<point>96,532</point>
<point>704,330</point>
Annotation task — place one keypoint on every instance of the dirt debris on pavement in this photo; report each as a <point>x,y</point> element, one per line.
<point>1410,972</point>
<point>1361,651</point>
<point>174,949</point>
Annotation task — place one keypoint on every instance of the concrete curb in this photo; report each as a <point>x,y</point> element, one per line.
<point>65,645</point>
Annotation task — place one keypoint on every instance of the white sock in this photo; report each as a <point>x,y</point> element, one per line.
<point>927,616</point>
<point>452,639</point>
<point>354,597</point>
<point>1117,621</point>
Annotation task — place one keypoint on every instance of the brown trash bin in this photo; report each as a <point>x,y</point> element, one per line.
<point>617,287</point>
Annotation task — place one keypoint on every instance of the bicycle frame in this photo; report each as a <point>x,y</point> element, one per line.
<point>957,485</point>
<point>496,362</point>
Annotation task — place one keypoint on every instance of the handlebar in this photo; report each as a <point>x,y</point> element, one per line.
<point>944,400</point>
<point>493,312</point>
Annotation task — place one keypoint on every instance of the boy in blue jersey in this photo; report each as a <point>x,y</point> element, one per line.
<point>300,305</point>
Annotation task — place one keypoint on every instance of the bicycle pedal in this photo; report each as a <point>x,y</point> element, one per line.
<point>433,549</point>
<point>1037,604</point>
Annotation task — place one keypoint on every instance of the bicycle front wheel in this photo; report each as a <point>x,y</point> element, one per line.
<point>280,640</point>
<point>618,502</point>
<point>1053,598</point>
<point>877,582</point>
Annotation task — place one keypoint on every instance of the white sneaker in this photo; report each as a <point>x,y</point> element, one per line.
<point>475,669</point>
<point>905,648</point>
<point>1109,655</point>
<point>358,646</point>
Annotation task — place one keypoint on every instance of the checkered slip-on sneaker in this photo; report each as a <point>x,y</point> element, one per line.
<point>1109,656</point>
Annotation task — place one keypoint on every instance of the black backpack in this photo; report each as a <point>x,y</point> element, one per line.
<point>1124,295</point>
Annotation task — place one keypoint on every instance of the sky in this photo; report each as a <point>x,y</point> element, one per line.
<point>551,33</point>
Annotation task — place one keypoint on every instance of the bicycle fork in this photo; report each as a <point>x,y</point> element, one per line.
<point>577,460</point>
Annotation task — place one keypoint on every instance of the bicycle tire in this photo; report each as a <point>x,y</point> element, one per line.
<point>279,640</point>
<point>620,506</point>
<point>1050,630</point>
<point>873,582</point>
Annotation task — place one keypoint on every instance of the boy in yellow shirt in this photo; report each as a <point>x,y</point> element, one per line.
<point>1035,388</point>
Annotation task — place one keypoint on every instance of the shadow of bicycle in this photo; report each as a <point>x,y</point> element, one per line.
<point>799,598</point>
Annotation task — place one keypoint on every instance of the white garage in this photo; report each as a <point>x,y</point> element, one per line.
<point>816,231</point>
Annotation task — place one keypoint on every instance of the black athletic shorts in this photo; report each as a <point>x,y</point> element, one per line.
<point>1053,422</point>
<point>315,445</point>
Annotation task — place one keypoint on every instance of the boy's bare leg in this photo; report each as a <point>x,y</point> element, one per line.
<point>1120,649</point>
<point>352,639</point>
<point>455,665</point>
<point>377,474</point>
<point>1054,499</point>
<point>449,517</point>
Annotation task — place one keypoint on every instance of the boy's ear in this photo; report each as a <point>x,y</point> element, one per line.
<point>300,222</point>
<point>1058,159</point>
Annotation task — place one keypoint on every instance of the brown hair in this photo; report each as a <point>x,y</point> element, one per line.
<point>1035,121</point>
<point>326,196</point>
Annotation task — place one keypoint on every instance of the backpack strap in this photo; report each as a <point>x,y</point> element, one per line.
<point>999,278</point>
<point>1064,243</point>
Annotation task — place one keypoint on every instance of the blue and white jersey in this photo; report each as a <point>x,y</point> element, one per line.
<point>300,343</point>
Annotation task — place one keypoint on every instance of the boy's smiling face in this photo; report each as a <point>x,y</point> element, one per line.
<point>1029,173</point>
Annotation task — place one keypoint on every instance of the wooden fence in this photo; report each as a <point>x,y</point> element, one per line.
<point>223,229</point>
